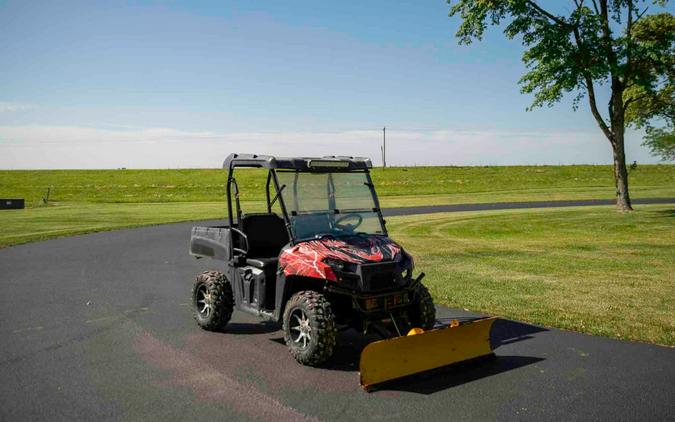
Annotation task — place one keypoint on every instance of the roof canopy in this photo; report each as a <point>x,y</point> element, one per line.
<point>326,163</point>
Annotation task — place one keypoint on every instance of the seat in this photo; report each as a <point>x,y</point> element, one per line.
<point>263,263</point>
<point>266,235</point>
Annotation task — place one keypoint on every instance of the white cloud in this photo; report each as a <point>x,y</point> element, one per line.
<point>6,106</point>
<point>83,147</point>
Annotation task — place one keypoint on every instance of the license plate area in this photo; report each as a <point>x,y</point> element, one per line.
<point>395,301</point>
<point>385,302</point>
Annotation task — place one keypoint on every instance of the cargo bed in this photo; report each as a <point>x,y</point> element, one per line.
<point>211,242</point>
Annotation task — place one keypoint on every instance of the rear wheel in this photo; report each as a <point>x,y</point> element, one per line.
<point>212,300</point>
<point>422,311</point>
<point>309,328</point>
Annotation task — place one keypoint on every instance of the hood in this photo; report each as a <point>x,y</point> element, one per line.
<point>306,258</point>
<point>354,249</point>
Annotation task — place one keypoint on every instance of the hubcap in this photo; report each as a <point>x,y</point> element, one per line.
<point>301,332</point>
<point>204,301</point>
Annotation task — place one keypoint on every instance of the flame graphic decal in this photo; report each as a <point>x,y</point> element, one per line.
<point>306,258</point>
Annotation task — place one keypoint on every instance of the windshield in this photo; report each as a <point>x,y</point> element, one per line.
<point>334,204</point>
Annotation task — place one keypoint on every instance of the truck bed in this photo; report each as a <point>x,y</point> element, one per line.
<point>211,242</point>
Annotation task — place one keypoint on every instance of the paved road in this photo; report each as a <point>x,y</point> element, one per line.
<point>430,209</point>
<point>98,327</point>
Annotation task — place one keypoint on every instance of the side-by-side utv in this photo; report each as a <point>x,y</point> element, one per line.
<point>319,259</point>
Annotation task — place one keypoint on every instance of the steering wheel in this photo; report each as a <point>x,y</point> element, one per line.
<point>339,222</point>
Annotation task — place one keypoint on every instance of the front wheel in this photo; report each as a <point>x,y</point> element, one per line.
<point>422,311</point>
<point>212,300</point>
<point>309,328</point>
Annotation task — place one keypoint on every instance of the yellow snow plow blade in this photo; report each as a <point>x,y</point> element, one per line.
<point>418,352</point>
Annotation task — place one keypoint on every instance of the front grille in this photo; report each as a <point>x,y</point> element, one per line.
<point>379,276</point>
<point>381,282</point>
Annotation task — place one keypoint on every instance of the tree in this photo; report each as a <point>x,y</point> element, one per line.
<point>597,42</point>
<point>661,141</point>
<point>655,100</point>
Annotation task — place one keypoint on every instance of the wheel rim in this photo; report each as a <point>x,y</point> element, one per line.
<point>301,331</point>
<point>204,301</point>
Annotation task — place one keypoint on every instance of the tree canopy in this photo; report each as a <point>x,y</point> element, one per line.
<point>574,47</point>
<point>652,98</point>
<point>596,42</point>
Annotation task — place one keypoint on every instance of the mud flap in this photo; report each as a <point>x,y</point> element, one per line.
<point>406,355</point>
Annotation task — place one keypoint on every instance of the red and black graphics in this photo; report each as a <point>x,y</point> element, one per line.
<point>306,258</point>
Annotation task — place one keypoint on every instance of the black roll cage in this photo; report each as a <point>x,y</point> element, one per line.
<point>298,165</point>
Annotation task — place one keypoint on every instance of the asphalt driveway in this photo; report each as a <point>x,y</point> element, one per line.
<point>98,327</point>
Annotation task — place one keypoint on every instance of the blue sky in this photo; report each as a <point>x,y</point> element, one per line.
<point>182,84</point>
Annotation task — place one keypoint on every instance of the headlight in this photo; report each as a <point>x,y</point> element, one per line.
<point>341,266</point>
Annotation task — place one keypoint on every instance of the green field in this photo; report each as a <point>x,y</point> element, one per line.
<point>396,186</point>
<point>584,269</point>
<point>22,226</point>
<point>83,201</point>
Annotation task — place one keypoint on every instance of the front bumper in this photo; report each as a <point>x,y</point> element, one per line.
<point>374,277</point>
<point>379,303</point>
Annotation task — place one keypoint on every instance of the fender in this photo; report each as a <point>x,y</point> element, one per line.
<point>286,286</point>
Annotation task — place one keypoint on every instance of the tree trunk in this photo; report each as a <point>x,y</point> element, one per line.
<point>615,136</point>
<point>621,174</point>
<point>617,112</point>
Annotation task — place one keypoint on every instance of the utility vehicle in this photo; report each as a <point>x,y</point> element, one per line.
<point>319,259</point>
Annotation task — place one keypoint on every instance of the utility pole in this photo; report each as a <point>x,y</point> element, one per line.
<point>384,147</point>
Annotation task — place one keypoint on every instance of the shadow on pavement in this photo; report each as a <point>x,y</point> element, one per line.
<point>251,328</point>
<point>506,331</point>
<point>454,375</point>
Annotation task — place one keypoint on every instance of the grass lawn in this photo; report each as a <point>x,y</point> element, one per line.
<point>584,269</point>
<point>84,201</point>
<point>398,186</point>
<point>32,224</point>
